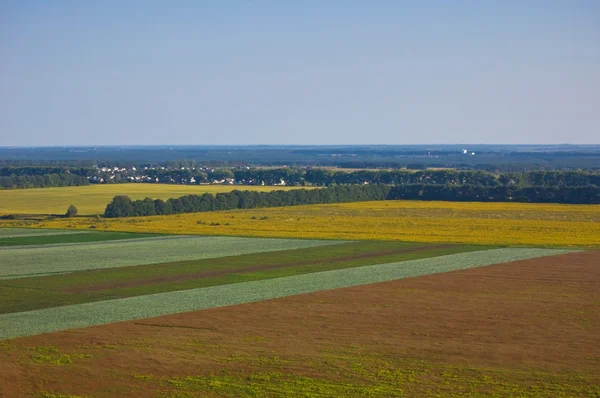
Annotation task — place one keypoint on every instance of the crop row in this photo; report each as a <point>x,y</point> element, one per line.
<point>28,294</point>
<point>20,262</point>
<point>102,312</point>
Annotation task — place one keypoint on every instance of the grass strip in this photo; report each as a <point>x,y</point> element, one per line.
<point>21,232</point>
<point>22,262</point>
<point>86,286</point>
<point>103,312</point>
<point>82,237</point>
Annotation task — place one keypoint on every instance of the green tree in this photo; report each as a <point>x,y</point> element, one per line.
<point>71,211</point>
<point>121,206</point>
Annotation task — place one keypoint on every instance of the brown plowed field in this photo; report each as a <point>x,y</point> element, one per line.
<point>528,327</point>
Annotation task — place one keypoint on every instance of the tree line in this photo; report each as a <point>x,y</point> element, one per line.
<point>43,170</point>
<point>49,176</point>
<point>123,206</point>
<point>42,181</point>
<point>327,177</point>
<point>478,193</point>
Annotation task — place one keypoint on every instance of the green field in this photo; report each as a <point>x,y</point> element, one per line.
<point>109,311</point>
<point>43,269</point>
<point>92,199</point>
<point>93,285</point>
<point>388,339</point>
<point>18,262</point>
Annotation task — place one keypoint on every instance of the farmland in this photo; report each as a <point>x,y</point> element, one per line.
<point>51,259</point>
<point>396,298</point>
<point>473,332</point>
<point>92,199</point>
<point>181,273</point>
<point>106,283</point>
<point>409,221</point>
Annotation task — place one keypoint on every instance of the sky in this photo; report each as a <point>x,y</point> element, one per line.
<point>229,72</point>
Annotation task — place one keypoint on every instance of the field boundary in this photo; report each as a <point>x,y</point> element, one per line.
<point>140,307</point>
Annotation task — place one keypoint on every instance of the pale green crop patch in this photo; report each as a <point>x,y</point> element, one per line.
<point>103,312</point>
<point>22,262</point>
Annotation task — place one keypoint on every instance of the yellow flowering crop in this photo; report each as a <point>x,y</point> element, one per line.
<point>412,221</point>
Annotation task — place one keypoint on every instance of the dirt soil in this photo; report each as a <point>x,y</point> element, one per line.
<point>539,315</point>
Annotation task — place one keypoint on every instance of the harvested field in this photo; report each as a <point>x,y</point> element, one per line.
<point>101,312</point>
<point>409,221</point>
<point>527,328</point>
<point>20,262</point>
<point>92,199</point>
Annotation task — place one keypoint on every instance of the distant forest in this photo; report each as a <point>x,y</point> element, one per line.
<point>36,177</point>
<point>558,174</point>
<point>495,158</point>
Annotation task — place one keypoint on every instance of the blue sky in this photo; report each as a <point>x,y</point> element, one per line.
<point>307,72</point>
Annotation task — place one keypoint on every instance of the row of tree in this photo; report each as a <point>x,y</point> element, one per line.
<point>327,177</point>
<point>478,193</point>
<point>123,206</point>
<point>42,181</point>
<point>32,176</point>
<point>9,171</point>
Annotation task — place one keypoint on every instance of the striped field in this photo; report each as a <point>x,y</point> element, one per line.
<point>32,293</point>
<point>102,312</point>
<point>19,262</point>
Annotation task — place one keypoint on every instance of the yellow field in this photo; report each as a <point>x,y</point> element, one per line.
<point>92,199</point>
<point>415,221</point>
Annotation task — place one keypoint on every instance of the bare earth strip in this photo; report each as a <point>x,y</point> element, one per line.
<point>526,328</point>
<point>101,312</point>
<point>21,262</point>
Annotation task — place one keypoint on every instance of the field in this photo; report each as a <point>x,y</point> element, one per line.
<point>378,299</point>
<point>408,221</point>
<point>92,199</point>
<point>525,328</point>
<point>51,259</point>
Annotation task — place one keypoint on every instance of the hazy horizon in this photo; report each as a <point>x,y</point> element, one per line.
<point>271,73</point>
